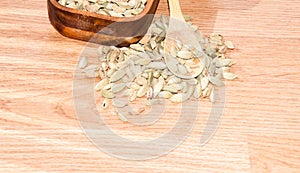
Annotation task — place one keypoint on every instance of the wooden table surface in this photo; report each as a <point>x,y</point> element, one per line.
<point>260,128</point>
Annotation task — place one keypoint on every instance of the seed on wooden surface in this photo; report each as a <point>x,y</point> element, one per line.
<point>117,75</point>
<point>110,72</point>
<point>91,71</point>
<point>142,91</point>
<point>173,79</point>
<point>107,94</point>
<point>105,103</point>
<point>123,116</point>
<point>100,85</point>
<point>83,63</point>
<point>152,102</point>
<point>172,89</point>
<point>118,87</point>
<point>165,94</point>
<point>204,82</point>
<point>132,95</point>
<point>229,44</point>
<point>120,103</point>
<point>198,91</point>
<point>134,86</point>
<point>212,96</point>
<point>179,98</point>
<point>216,81</point>
<point>158,87</point>
<point>147,71</point>
<point>108,86</point>
<point>141,81</point>
<point>229,76</point>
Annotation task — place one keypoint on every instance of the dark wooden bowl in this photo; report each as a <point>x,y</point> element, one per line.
<point>102,29</point>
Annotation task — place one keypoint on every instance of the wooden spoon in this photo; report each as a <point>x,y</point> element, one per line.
<point>179,32</point>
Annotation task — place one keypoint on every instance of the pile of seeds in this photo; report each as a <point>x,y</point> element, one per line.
<point>140,71</point>
<point>116,8</point>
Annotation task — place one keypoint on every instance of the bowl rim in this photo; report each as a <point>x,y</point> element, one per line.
<point>102,16</point>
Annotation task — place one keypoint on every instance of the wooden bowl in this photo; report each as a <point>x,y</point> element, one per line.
<point>102,29</point>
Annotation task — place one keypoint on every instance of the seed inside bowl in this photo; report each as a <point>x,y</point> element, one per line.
<point>116,8</point>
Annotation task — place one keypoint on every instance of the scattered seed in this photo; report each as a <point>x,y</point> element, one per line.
<point>229,76</point>
<point>229,44</point>
<point>158,87</point>
<point>100,85</point>
<point>83,63</point>
<point>118,87</point>
<point>107,94</point>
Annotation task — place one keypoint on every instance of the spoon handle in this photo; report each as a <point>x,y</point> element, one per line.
<point>175,10</point>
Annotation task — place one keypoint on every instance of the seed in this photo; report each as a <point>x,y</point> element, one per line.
<point>198,91</point>
<point>110,72</point>
<point>173,79</point>
<point>118,87</point>
<point>143,61</point>
<point>229,76</point>
<point>206,92</point>
<point>90,71</point>
<point>105,103</point>
<point>141,81</point>
<point>122,115</point>
<point>129,74</point>
<point>117,75</point>
<point>137,47</point>
<point>204,82</point>
<point>190,91</point>
<point>179,98</point>
<point>212,96</point>
<point>192,82</point>
<point>216,81</point>
<point>156,74</point>
<point>107,94</point>
<point>157,65</point>
<point>184,54</point>
<point>182,69</point>
<point>229,44</point>
<point>104,66</point>
<point>83,63</point>
<point>119,103</point>
<point>165,94</point>
<point>133,95</point>
<point>158,87</point>
<point>101,84</point>
<point>170,88</point>
<point>145,39</point>
<point>223,62</point>
<point>142,91</point>
<point>152,102</point>
<point>134,86</point>
<point>108,86</point>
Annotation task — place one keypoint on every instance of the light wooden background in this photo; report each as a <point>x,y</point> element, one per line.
<point>260,129</point>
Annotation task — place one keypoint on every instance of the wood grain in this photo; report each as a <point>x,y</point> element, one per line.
<point>260,129</point>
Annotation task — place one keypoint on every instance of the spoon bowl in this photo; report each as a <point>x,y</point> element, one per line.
<point>181,46</point>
